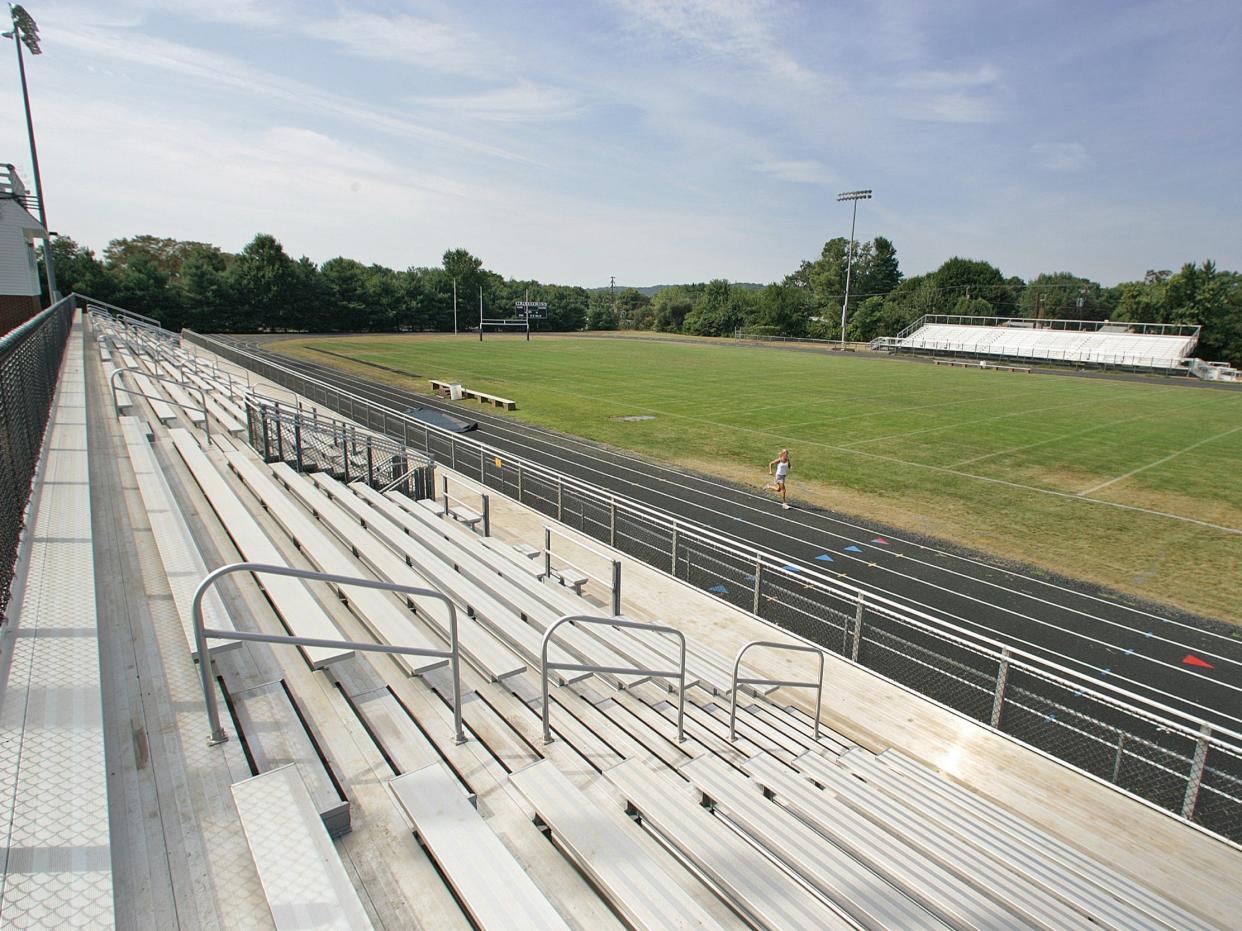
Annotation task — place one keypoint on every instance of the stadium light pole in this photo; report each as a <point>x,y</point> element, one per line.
<point>26,32</point>
<point>854,196</point>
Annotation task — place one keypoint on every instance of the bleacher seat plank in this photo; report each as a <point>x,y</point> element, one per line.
<point>492,886</point>
<point>1019,846</point>
<point>638,886</point>
<point>499,618</point>
<point>911,859</point>
<point>183,564</point>
<point>164,412</point>
<point>302,614</point>
<point>482,566</point>
<point>391,623</point>
<point>866,897</point>
<point>753,884</point>
<point>302,875</point>
<point>478,645</point>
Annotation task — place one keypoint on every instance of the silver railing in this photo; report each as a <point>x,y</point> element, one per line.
<point>818,685</point>
<point>679,674</point>
<point>549,571</point>
<point>1142,747</point>
<point>154,397</point>
<point>485,506</point>
<point>203,634</point>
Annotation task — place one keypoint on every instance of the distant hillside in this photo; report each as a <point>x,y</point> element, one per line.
<point>653,290</point>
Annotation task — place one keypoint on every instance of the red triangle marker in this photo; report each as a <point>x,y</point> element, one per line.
<point>1192,660</point>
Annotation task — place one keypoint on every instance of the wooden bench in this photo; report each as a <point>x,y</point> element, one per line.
<point>301,873</point>
<point>967,363</point>
<point>752,883</point>
<point>637,885</point>
<point>492,886</point>
<point>442,388</point>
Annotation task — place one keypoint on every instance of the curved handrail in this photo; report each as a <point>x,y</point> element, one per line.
<point>151,397</point>
<point>795,647</point>
<point>545,665</point>
<point>203,634</point>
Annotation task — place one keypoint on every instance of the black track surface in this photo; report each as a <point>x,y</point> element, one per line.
<point>1100,634</point>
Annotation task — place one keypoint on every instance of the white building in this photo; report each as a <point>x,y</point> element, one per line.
<point>19,271</point>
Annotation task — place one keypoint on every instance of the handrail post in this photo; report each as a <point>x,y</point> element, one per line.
<point>858,624</point>
<point>547,553</point>
<point>758,583</point>
<point>1002,676</point>
<point>487,515</point>
<point>202,634</point>
<point>444,488</point>
<point>616,587</point>
<point>1195,780</point>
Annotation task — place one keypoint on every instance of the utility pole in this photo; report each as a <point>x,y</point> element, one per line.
<point>612,296</point>
<point>454,306</point>
<point>527,309</point>
<point>854,196</point>
<point>26,32</point>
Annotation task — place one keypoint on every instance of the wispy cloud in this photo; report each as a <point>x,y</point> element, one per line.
<point>418,42</point>
<point>1061,156</point>
<point>524,101</point>
<point>804,172</point>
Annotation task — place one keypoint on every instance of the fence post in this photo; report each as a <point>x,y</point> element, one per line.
<point>482,474</point>
<point>1195,780</point>
<point>297,441</point>
<point>370,463</point>
<point>616,587</point>
<point>612,522</point>
<point>674,553</point>
<point>487,516</point>
<point>560,486</point>
<point>267,440</point>
<point>858,622</point>
<point>280,435</point>
<point>1002,676</point>
<point>1121,745</point>
<point>758,577</point>
<point>519,481</point>
<point>453,453</point>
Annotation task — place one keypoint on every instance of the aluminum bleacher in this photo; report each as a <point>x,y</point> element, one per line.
<point>344,798</point>
<point>1143,346</point>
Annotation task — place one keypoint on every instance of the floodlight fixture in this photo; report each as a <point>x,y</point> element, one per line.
<point>855,197</point>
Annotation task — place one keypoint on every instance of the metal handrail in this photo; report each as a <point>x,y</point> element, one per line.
<point>152,397</point>
<point>614,586</point>
<point>203,634</point>
<point>795,647</point>
<point>545,664</point>
<point>485,506</point>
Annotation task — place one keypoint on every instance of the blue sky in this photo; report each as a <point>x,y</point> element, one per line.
<point>654,140</point>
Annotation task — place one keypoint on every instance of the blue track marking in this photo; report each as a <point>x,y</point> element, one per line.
<point>824,557</point>
<point>719,589</point>
<point>853,549</point>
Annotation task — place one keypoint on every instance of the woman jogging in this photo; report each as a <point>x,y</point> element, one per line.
<point>781,465</point>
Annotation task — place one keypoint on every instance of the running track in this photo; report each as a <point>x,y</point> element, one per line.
<point>1139,648</point>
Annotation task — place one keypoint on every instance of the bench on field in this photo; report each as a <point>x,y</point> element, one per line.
<point>442,387</point>
<point>301,873</point>
<point>637,884</point>
<point>967,363</point>
<point>492,886</point>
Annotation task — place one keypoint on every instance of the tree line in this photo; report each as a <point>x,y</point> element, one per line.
<point>263,289</point>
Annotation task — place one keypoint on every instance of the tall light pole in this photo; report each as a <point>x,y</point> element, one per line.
<point>855,196</point>
<point>26,32</point>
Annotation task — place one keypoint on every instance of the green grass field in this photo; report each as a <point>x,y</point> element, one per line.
<point>1135,486</point>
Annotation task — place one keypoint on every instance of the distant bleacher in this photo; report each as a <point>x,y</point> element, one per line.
<point>1155,346</point>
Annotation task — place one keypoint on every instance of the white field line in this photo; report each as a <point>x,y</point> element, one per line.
<point>1065,436</point>
<point>1152,465</point>
<point>963,423</point>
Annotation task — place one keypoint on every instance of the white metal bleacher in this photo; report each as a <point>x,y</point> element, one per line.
<point>1098,347</point>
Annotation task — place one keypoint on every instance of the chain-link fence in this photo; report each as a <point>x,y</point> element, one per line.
<point>30,357</point>
<point>1156,753</point>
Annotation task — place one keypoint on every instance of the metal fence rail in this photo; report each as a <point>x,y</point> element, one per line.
<point>1171,759</point>
<point>313,443</point>
<point>30,357</point>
